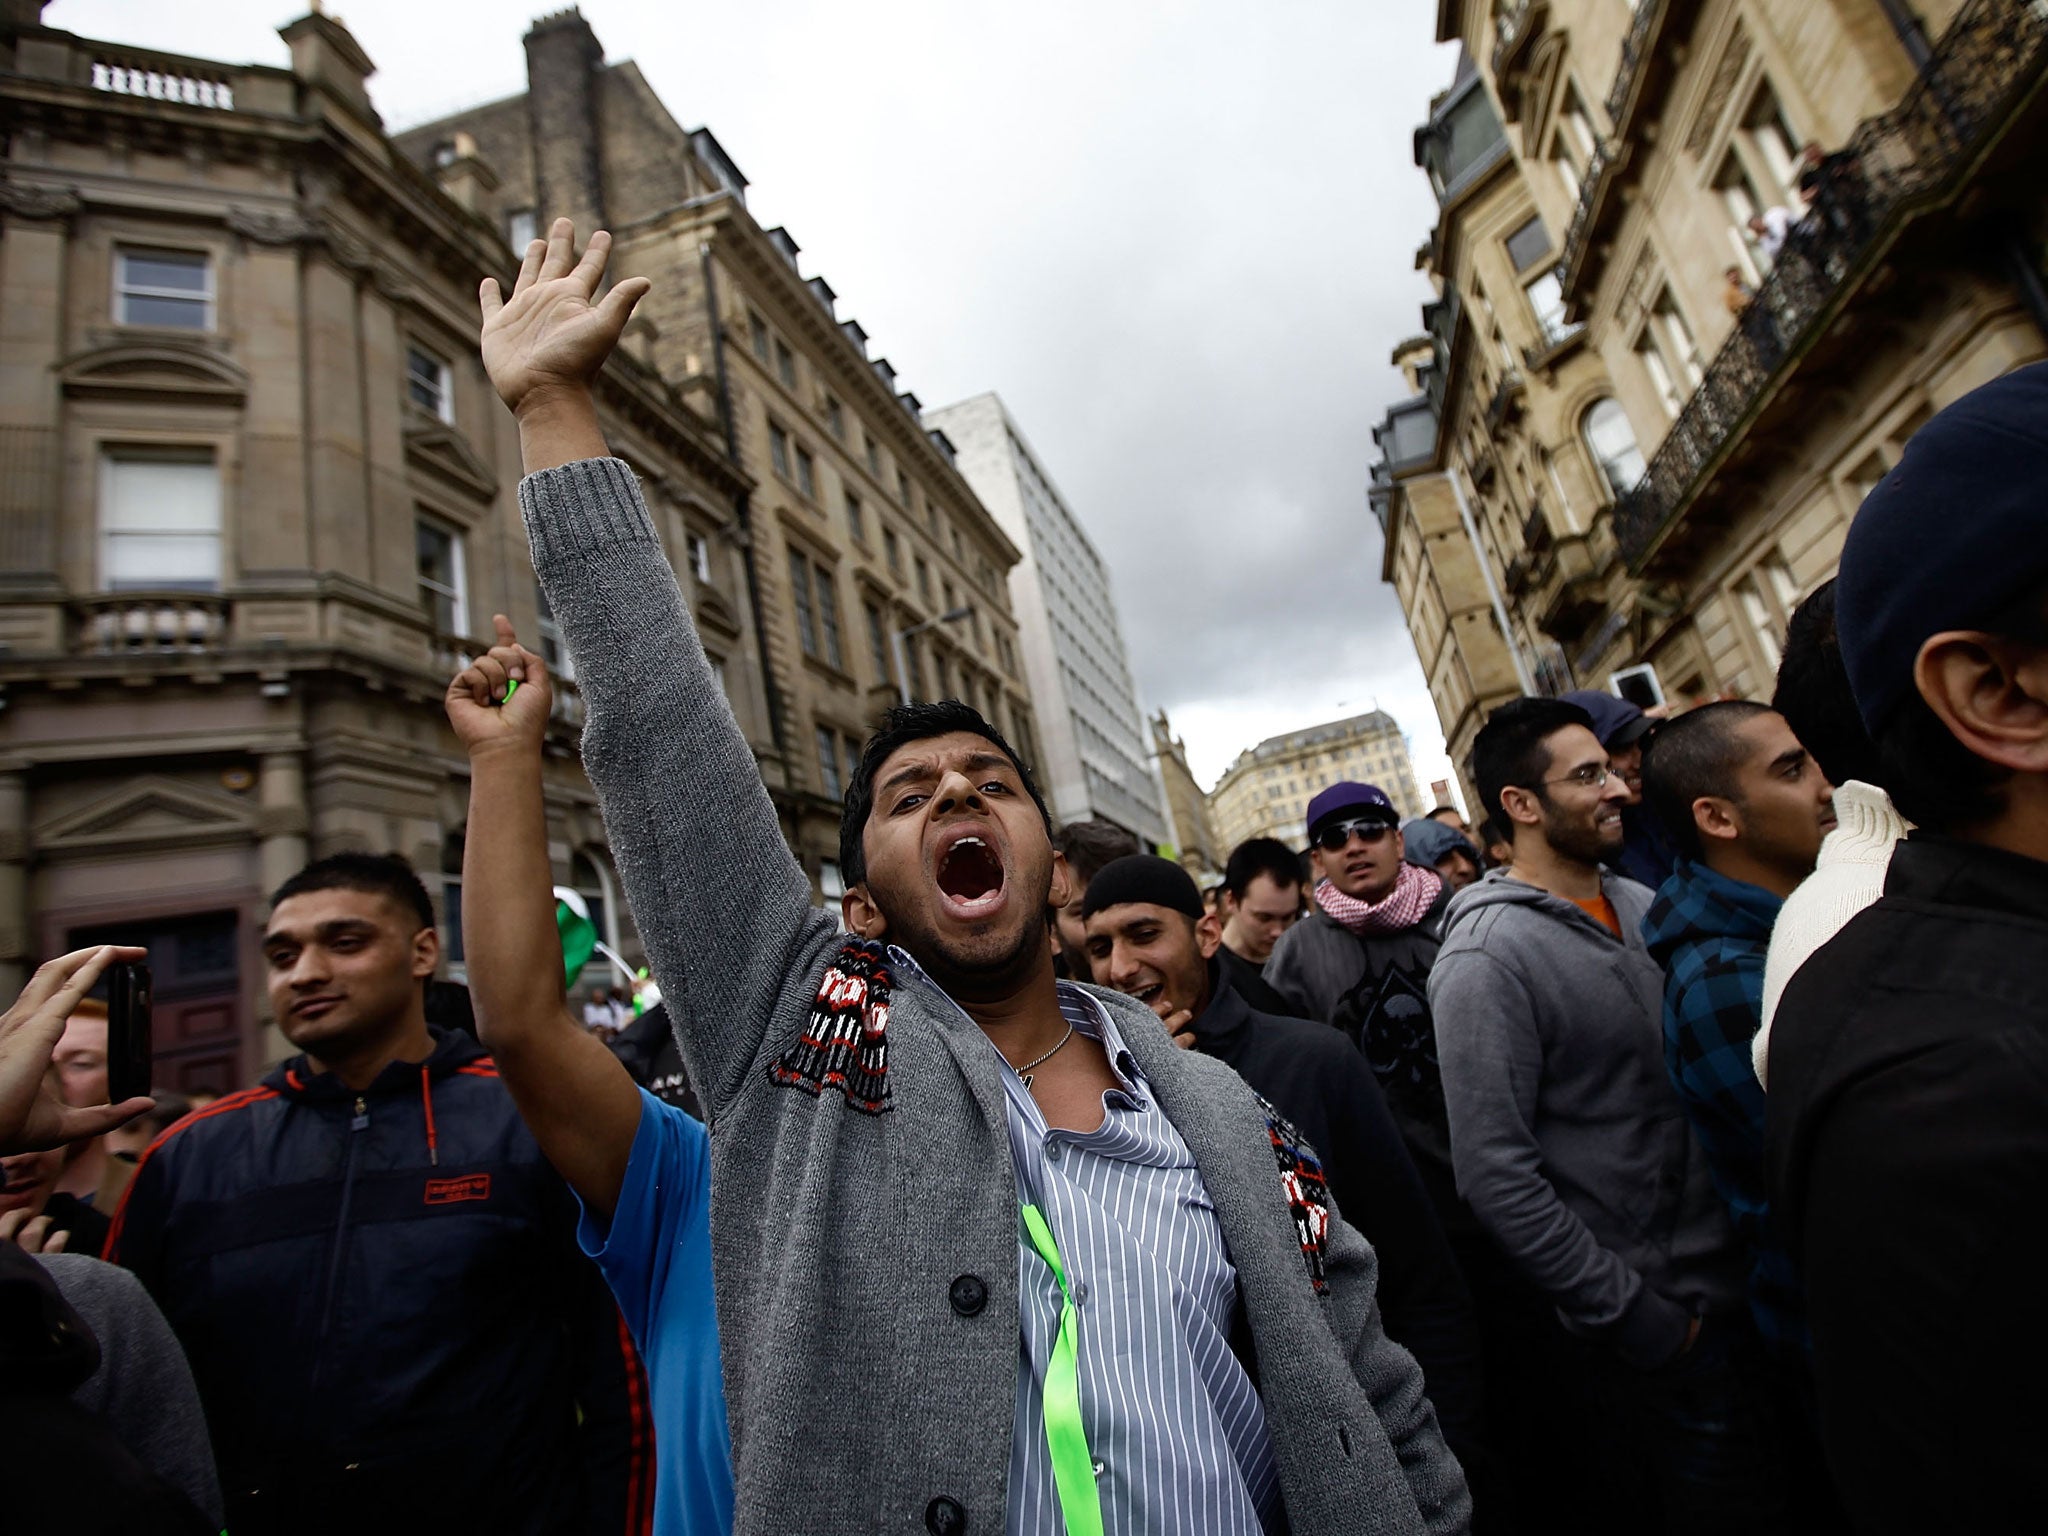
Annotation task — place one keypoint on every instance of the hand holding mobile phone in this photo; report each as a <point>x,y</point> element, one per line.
<point>129,1048</point>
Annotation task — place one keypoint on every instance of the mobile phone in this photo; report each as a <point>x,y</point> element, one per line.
<point>128,1031</point>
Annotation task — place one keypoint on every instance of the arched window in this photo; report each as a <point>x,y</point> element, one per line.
<point>451,897</point>
<point>594,885</point>
<point>1612,442</point>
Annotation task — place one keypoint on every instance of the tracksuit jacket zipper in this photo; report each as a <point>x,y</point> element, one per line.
<point>356,1127</point>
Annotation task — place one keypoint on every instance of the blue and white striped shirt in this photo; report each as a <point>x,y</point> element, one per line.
<point>1174,1423</point>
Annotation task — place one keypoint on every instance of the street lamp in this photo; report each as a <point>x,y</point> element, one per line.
<point>896,643</point>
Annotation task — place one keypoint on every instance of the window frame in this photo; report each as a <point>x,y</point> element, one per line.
<point>457,593</point>
<point>806,472</point>
<point>827,595</point>
<point>778,450</point>
<point>207,298</point>
<point>443,408</point>
<point>804,613</point>
<point>106,536</point>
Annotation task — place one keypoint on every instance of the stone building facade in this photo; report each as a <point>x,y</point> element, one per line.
<point>1639,430</point>
<point>860,538</point>
<point>1266,792</point>
<point>1194,844</point>
<point>1094,761</point>
<point>257,501</point>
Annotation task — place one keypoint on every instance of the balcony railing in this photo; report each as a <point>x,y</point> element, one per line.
<point>1992,51</point>
<point>163,77</point>
<point>1635,48</point>
<point>1591,190</point>
<point>150,623</point>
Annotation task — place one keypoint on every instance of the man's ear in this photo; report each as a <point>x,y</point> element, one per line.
<point>1991,693</point>
<point>860,914</point>
<point>1063,882</point>
<point>1209,935</point>
<point>426,953</point>
<point>1522,806</point>
<point>1714,817</point>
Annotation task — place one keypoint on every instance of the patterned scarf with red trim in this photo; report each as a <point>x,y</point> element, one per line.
<point>1415,889</point>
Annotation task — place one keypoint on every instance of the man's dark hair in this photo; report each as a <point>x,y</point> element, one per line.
<point>1489,833</point>
<point>1509,751</point>
<point>1932,778</point>
<point>1696,753</point>
<point>1813,693</point>
<point>375,874</point>
<point>1093,845</point>
<point>904,724</point>
<point>1257,856</point>
<point>1445,810</point>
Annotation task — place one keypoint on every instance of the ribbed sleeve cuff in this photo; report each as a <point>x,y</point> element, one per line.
<point>1652,1331</point>
<point>581,508</point>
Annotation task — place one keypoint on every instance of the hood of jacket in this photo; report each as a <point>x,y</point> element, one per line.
<point>1700,903</point>
<point>1499,890</point>
<point>1427,841</point>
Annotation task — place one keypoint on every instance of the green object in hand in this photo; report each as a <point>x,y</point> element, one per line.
<point>511,687</point>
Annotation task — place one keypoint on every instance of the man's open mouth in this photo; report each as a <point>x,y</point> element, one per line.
<point>970,876</point>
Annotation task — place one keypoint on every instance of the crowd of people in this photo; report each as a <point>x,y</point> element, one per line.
<point>1664,1155</point>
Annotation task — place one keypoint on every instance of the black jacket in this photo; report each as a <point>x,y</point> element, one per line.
<point>1317,1081</point>
<point>1376,990</point>
<point>384,1308</point>
<point>1906,1149</point>
<point>1249,982</point>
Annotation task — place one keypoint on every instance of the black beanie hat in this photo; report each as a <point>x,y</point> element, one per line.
<point>1142,877</point>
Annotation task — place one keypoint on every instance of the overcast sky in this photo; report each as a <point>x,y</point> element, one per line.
<point>1176,238</point>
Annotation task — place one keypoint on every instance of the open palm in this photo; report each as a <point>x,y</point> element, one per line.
<point>554,332</point>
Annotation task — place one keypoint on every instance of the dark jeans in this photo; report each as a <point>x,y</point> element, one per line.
<point>1692,1447</point>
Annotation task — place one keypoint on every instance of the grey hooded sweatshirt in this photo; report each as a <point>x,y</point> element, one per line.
<point>1568,1141</point>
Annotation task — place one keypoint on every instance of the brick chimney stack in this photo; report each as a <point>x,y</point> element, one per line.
<point>563,60</point>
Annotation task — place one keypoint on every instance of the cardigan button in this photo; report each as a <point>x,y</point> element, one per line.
<point>968,1294</point>
<point>944,1517</point>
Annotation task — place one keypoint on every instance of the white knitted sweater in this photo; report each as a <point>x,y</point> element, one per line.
<point>1848,878</point>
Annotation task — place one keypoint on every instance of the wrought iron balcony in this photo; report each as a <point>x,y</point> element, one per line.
<point>1635,48</point>
<point>1591,190</point>
<point>1991,52</point>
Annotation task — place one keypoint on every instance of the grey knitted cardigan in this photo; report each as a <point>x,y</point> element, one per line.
<point>860,1161</point>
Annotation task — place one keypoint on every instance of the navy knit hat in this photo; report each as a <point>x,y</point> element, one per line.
<point>1142,877</point>
<point>1955,534</point>
<point>1616,722</point>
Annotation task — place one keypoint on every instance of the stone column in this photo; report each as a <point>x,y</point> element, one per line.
<point>16,942</point>
<point>281,819</point>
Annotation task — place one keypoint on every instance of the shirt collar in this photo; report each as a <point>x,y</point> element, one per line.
<point>1085,1012</point>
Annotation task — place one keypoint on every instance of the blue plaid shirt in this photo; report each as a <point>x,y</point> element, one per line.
<point>1710,934</point>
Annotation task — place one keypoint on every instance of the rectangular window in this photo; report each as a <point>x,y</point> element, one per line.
<point>1771,139</point>
<point>552,651</point>
<point>946,587</point>
<point>1546,303</point>
<point>874,457</point>
<point>1674,337</point>
<point>160,520</point>
<point>959,548</point>
<point>785,364</point>
<point>903,489</point>
<point>1739,198</point>
<point>430,383</point>
<point>856,523</point>
<point>828,617</point>
<point>1529,244</point>
<point>444,591</point>
<point>878,639</point>
<point>892,548</point>
<point>800,597</point>
<point>941,673</point>
<point>697,551</point>
<point>924,580</point>
<point>835,417</point>
<point>778,450</point>
<point>521,229</point>
<point>757,332</point>
<point>168,288</point>
<point>913,656</point>
<point>1660,376</point>
<point>806,472</point>
<point>828,763</point>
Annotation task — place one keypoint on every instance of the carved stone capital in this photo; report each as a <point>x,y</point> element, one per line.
<point>269,226</point>
<point>27,201</point>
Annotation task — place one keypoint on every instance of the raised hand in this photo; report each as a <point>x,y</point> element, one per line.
<point>554,333</point>
<point>32,1114</point>
<point>479,707</point>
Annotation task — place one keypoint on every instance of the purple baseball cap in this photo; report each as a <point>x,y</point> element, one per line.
<point>1366,802</point>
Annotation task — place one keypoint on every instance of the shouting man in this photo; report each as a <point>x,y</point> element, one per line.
<point>989,1251</point>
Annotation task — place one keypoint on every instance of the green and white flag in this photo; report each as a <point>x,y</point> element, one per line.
<point>578,933</point>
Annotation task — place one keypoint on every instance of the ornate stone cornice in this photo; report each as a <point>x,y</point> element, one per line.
<point>25,200</point>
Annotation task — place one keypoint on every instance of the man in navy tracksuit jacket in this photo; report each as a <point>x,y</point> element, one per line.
<point>373,1270</point>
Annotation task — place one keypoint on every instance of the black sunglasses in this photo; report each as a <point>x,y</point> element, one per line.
<point>1337,834</point>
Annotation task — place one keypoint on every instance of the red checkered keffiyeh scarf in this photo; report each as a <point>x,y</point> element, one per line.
<point>1402,907</point>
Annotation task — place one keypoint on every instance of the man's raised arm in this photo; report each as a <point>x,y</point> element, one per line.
<point>573,1094</point>
<point>722,907</point>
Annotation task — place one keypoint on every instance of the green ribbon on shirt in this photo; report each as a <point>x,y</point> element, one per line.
<point>1073,1469</point>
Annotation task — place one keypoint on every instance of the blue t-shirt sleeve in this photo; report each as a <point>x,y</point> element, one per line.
<point>667,1180</point>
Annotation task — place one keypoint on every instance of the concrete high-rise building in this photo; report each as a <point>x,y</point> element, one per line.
<point>1640,424</point>
<point>861,538</point>
<point>257,500</point>
<point>1094,760</point>
<point>1266,792</point>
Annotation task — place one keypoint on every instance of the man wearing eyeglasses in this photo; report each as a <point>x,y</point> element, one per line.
<point>1573,1149</point>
